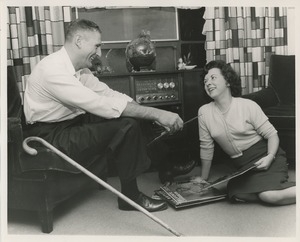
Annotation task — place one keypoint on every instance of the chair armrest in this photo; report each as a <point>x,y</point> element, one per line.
<point>14,144</point>
<point>20,162</point>
<point>264,98</point>
<point>14,131</point>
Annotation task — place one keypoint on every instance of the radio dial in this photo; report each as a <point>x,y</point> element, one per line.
<point>148,98</point>
<point>154,97</point>
<point>173,96</point>
<point>172,84</point>
<point>160,85</point>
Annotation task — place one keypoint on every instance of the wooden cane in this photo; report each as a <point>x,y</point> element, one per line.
<point>32,151</point>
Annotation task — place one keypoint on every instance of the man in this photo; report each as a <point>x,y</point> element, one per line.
<point>60,94</point>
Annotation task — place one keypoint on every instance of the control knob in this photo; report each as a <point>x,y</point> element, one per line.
<point>160,85</point>
<point>166,85</point>
<point>172,84</point>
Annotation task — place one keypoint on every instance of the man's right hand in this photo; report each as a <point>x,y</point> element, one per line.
<point>170,121</point>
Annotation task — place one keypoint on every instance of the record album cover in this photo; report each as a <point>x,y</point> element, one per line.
<point>186,192</point>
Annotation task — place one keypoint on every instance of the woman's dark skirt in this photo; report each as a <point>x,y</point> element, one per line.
<point>254,181</point>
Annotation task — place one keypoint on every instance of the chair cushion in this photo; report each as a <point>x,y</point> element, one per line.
<point>45,160</point>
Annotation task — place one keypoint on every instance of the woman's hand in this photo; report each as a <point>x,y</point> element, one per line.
<point>264,163</point>
<point>199,180</point>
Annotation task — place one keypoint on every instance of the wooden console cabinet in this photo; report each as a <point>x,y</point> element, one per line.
<point>185,98</point>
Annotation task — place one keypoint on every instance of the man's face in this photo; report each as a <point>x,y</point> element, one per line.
<point>90,47</point>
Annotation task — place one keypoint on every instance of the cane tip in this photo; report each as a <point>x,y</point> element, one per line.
<point>177,233</point>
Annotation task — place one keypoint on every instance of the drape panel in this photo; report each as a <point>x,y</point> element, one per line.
<point>33,33</point>
<point>245,37</point>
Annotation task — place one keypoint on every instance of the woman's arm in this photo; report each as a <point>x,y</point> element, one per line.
<point>205,168</point>
<point>265,162</point>
<point>206,147</point>
<point>267,131</point>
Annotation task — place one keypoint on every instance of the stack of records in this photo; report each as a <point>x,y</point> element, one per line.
<point>186,193</point>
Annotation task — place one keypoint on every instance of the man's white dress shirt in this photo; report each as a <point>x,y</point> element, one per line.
<point>55,92</point>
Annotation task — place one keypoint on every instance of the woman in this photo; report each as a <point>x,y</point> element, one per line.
<point>243,131</point>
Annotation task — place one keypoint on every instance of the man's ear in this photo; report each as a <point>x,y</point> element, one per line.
<point>78,40</point>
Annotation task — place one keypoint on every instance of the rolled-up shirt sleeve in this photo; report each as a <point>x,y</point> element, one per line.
<point>101,102</point>
<point>92,82</point>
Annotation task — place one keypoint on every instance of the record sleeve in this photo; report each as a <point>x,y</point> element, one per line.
<point>230,176</point>
<point>186,192</point>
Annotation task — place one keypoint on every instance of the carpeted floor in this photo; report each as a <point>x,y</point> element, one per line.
<point>95,212</point>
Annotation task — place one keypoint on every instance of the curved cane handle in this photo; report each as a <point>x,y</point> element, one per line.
<point>30,150</point>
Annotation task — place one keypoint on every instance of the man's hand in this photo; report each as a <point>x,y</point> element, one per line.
<point>170,121</point>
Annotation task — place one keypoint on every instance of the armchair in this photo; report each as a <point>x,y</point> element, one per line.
<point>42,182</point>
<point>278,101</point>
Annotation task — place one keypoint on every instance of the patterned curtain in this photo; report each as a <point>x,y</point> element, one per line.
<point>245,37</point>
<point>32,34</point>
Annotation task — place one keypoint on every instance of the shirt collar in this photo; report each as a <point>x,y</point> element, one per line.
<point>67,61</point>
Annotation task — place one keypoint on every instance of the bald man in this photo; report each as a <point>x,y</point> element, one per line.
<point>68,106</point>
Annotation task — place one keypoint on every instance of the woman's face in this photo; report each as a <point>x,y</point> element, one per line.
<point>215,84</point>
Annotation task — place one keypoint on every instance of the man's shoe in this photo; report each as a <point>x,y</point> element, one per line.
<point>165,176</point>
<point>183,169</point>
<point>152,205</point>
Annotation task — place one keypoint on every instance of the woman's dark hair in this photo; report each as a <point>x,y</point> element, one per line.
<point>81,24</point>
<point>229,75</point>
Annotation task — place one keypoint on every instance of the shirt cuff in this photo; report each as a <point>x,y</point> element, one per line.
<point>119,105</point>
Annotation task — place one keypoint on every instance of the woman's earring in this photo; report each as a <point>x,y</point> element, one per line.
<point>228,85</point>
